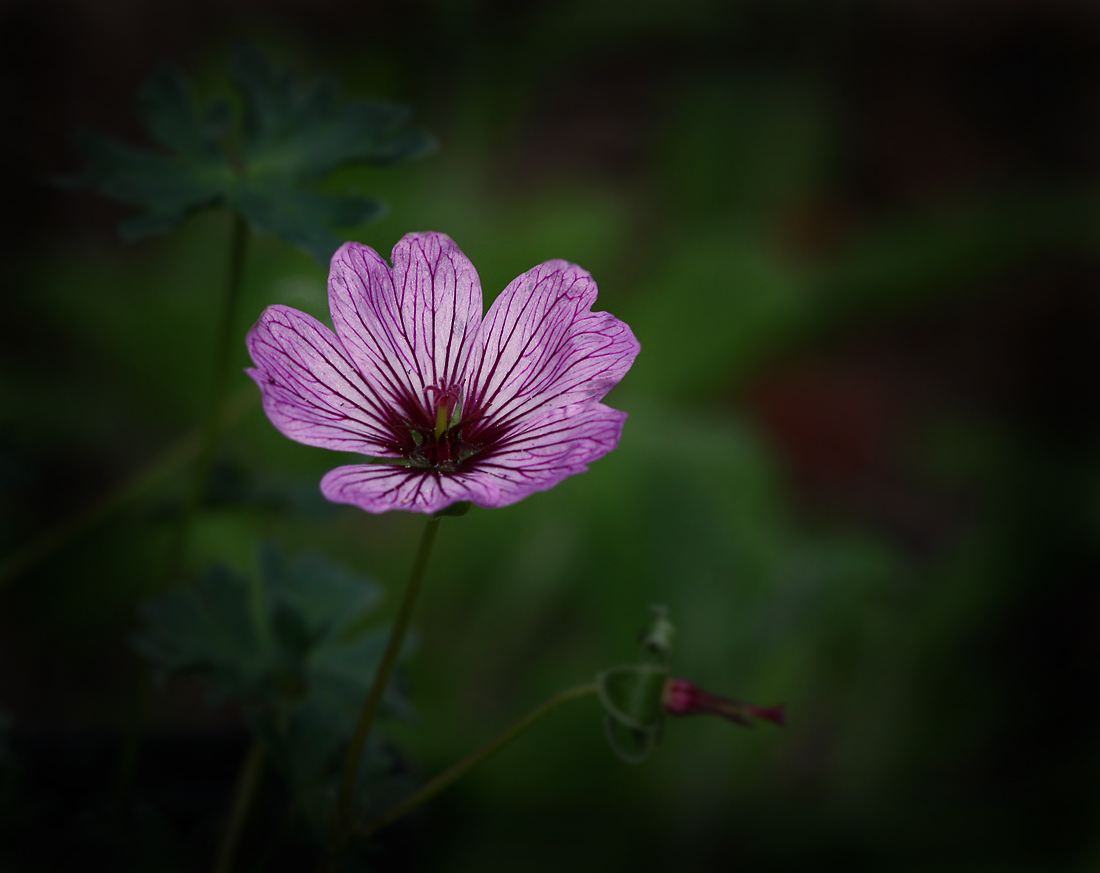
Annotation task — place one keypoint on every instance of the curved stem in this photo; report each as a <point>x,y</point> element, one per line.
<point>37,550</point>
<point>346,793</point>
<point>461,768</point>
<point>247,782</point>
<point>222,353</point>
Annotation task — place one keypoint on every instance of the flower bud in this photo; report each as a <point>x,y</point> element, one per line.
<point>681,697</point>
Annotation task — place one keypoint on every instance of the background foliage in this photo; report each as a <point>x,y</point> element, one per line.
<point>858,244</point>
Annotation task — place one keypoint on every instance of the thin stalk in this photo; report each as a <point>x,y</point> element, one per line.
<point>457,771</point>
<point>206,450</point>
<point>346,792</point>
<point>212,430</point>
<point>247,783</point>
<point>41,547</point>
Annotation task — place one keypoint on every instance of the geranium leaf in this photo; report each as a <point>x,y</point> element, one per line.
<point>403,146</point>
<point>292,131</point>
<point>301,215</point>
<point>157,183</point>
<point>329,598</point>
<point>292,647</point>
<point>210,630</point>
<point>299,130</point>
<point>172,115</point>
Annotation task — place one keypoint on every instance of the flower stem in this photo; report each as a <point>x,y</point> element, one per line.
<point>346,792</point>
<point>37,550</point>
<point>461,768</point>
<point>222,353</point>
<point>247,783</point>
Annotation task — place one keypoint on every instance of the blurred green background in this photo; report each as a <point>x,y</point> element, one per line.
<point>858,243</point>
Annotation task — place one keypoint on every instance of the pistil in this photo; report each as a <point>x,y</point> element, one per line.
<point>442,419</point>
<point>441,448</point>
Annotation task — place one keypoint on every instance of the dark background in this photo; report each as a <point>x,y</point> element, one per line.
<point>858,243</point>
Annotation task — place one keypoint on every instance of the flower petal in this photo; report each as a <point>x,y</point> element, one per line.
<point>384,487</point>
<point>543,347</point>
<point>409,328</point>
<point>311,390</point>
<point>551,446</point>
<point>556,446</point>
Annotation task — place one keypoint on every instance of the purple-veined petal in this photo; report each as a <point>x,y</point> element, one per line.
<point>384,487</point>
<point>549,447</point>
<point>542,346</point>
<point>311,391</point>
<point>410,328</point>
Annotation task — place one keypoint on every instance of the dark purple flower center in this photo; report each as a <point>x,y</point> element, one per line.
<point>441,436</point>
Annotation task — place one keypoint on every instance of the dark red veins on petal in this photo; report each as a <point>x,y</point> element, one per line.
<point>441,435</point>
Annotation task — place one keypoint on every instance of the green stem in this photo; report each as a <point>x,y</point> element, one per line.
<point>179,453</point>
<point>460,769</point>
<point>222,354</point>
<point>247,783</point>
<point>346,793</point>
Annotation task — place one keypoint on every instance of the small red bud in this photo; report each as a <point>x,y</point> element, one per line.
<point>681,697</point>
<point>774,714</point>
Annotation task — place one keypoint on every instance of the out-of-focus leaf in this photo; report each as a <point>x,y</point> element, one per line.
<point>232,484</point>
<point>300,130</point>
<point>293,131</point>
<point>162,184</point>
<point>308,748</point>
<point>211,630</point>
<point>328,597</point>
<point>295,649</point>
<point>174,117</point>
<point>403,146</point>
<point>301,215</point>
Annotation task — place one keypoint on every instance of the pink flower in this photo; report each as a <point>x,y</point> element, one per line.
<point>448,406</point>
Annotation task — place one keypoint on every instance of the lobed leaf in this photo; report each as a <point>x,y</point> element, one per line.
<point>297,130</point>
<point>300,215</point>
<point>291,131</point>
<point>211,631</point>
<point>174,118</point>
<point>295,648</point>
<point>158,183</point>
